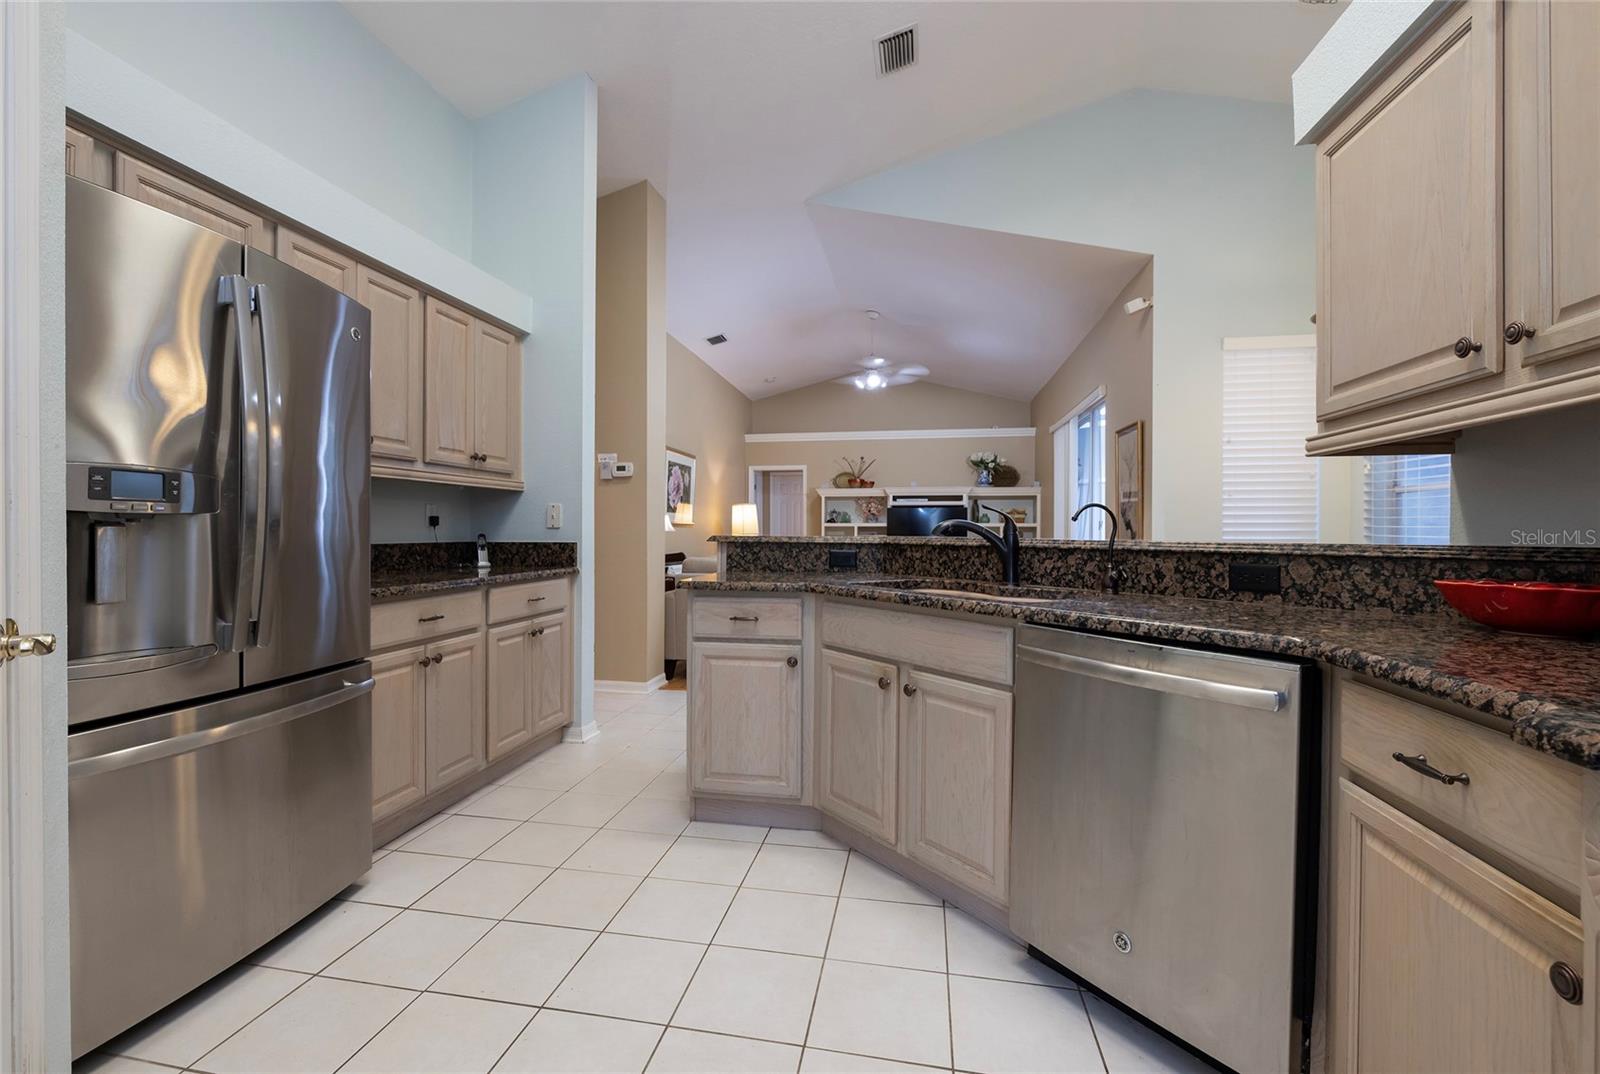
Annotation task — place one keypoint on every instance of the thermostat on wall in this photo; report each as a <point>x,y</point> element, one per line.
<point>622,469</point>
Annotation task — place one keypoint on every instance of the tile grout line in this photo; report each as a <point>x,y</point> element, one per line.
<point>949,995</point>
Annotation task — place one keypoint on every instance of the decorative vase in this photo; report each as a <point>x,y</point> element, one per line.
<point>843,479</point>
<point>985,477</point>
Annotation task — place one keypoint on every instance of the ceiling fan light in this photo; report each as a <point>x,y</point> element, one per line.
<point>860,383</point>
<point>873,361</point>
<point>874,381</point>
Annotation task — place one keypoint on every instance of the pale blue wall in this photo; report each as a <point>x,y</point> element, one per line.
<point>1211,186</point>
<point>312,82</point>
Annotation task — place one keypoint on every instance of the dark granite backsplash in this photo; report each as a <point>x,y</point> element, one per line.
<point>507,556</point>
<point>1347,577</point>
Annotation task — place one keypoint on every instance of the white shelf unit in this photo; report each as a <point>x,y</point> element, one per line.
<point>1026,498</point>
<point>850,500</point>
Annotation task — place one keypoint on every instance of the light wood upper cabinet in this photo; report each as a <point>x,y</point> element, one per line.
<point>550,674</point>
<point>399,737</point>
<point>318,260</point>
<point>455,689</point>
<point>80,148</point>
<point>510,708</point>
<point>746,730</point>
<point>149,184</point>
<point>956,778</point>
<point>858,736</point>
<point>451,420</point>
<point>397,372</point>
<point>1440,962</point>
<point>1552,176</point>
<point>497,367</point>
<point>1409,235</point>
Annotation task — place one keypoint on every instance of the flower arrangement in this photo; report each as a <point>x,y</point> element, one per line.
<point>854,474</point>
<point>986,463</point>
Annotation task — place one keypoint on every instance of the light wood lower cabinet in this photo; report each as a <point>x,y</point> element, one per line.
<point>550,684</point>
<point>399,729</point>
<point>529,690</point>
<point>455,688</point>
<point>857,742</point>
<point>747,719</point>
<point>956,814</point>
<point>1440,962</point>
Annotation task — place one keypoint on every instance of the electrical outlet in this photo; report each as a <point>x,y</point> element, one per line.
<point>1255,578</point>
<point>431,513</point>
<point>552,516</point>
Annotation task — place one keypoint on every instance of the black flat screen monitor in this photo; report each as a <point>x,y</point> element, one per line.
<point>918,520</point>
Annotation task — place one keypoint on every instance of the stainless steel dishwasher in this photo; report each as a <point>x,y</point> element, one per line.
<point>1164,835</point>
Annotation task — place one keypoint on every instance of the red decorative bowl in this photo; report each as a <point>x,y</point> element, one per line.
<point>1529,607</point>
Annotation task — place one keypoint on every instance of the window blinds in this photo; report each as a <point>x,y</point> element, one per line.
<point>1269,407</point>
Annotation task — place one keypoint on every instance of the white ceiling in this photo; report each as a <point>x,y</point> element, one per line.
<point>741,113</point>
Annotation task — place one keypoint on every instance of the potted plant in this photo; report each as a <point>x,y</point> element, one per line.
<point>853,476</point>
<point>986,463</point>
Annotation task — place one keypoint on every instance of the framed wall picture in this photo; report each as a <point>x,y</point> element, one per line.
<point>1130,480</point>
<point>680,487</point>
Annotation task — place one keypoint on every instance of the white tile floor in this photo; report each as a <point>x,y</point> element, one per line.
<point>572,918</point>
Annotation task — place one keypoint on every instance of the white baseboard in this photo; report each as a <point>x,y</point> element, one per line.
<point>587,732</point>
<point>618,686</point>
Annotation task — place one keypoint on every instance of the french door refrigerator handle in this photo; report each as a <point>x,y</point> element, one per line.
<point>252,462</point>
<point>1253,697</point>
<point>271,535</point>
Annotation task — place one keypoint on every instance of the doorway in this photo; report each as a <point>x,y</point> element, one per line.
<point>779,493</point>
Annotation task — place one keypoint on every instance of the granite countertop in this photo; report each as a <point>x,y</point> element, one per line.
<point>1546,689</point>
<point>392,585</point>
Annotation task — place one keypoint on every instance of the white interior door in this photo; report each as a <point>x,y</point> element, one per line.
<point>34,1000</point>
<point>786,504</point>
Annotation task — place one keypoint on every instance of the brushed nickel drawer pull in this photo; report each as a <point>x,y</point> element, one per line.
<point>744,619</point>
<point>430,618</point>
<point>1419,763</point>
<point>535,600</point>
<point>883,682</point>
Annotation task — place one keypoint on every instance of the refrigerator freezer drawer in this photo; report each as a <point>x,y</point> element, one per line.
<point>198,835</point>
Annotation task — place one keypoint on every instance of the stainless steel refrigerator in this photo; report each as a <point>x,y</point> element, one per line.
<point>219,702</point>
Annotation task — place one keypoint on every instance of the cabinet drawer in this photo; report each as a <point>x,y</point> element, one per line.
<point>739,617</point>
<point>508,602</point>
<point>425,617</point>
<point>980,650</point>
<point>1519,803</point>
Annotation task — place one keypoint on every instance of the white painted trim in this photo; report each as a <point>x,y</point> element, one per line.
<point>109,91</point>
<point>1085,403</point>
<point>1267,343</point>
<point>623,686</point>
<point>581,732</point>
<point>1355,52</point>
<point>887,434</point>
<point>30,950</point>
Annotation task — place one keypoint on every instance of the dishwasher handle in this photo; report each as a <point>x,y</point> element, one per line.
<point>1251,697</point>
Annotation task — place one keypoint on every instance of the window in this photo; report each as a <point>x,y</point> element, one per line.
<point>1269,407</point>
<point>1407,499</point>
<point>1080,454</point>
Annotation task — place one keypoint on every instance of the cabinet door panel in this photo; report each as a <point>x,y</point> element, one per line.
<point>396,364</point>
<point>1409,243</point>
<point>455,709</point>
<point>1441,963</point>
<point>510,702</point>
<point>957,779</point>
<point>550,675</point>
<point>318,260</point>
<point>80,148</point>
<point>149,184</point>
<point>746,719</point>
<point>399,743</point>
<point>857,762</point>
<point>497,362</point>
<point>448,398</point>
<point>1552,106</point>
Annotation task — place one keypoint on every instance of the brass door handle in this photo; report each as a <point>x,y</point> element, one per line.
<point>14,643</point>
<point>1516,332</point>
<point>1467,345</point>
<point>883,682</point>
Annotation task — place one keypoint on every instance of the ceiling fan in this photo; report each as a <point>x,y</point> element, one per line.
<point>876,371</point>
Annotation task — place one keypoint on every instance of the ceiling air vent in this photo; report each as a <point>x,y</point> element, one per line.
<point>718,338</point>
<point>897,50</point>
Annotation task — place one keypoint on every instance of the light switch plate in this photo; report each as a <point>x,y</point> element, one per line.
<point>608,462</point>
<point>552,516</point>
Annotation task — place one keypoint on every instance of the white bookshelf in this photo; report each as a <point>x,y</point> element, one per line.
<point>1024,498</point>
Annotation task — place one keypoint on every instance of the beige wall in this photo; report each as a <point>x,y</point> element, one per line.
<point>630,420</point>
<point>900,462</point>
<point>1116,355</point>
<point>706,417</point>
<point>830,407</point>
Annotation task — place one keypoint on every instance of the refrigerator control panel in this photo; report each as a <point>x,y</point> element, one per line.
<point>127,490</point>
